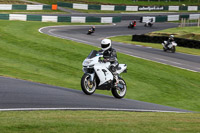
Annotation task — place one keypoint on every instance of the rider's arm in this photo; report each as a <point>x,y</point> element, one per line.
<point>113,56</point>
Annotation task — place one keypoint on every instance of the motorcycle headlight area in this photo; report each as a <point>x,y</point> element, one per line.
<point>87,62</point>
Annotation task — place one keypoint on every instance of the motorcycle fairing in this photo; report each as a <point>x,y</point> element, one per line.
<point>103,73</point>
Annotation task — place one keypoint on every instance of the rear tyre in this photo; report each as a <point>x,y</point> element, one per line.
<point>119,92</point>
<point>87,87</point>
<point>173,49</point>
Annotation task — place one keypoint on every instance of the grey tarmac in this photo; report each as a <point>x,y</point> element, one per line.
<point>16,94</point>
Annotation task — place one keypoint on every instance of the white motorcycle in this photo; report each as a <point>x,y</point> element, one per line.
<point>97,75</point>
<point>149,23</point>
<point>171,47</point>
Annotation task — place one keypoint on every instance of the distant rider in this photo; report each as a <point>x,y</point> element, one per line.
<point>109,55</point>
<point>133,23</point>
<point>93,28</point>
<point>170,40</point>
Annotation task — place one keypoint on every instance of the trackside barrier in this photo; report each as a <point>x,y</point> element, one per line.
<point>25,7</point>
<point>170,17</point>
<point>159,39</point>
<point>127,8</point>
<point>72,19</point>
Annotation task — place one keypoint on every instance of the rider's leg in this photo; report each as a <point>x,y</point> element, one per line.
<point>114,67</point>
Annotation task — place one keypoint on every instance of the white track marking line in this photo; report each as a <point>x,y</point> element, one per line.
<point>125,52</point>
<point>64,37</point>
<point>98,109</point>
<point>168,61</point>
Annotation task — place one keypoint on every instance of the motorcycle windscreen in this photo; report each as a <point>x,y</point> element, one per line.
<point>92,54</point>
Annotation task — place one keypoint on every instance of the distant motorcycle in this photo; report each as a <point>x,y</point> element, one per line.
<point>171,47</point>
<point>90,31</point>
<point>132,24</point>
<point>149,23</point>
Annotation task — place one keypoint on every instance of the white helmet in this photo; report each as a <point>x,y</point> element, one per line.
<point>171,36</point>
<point>105,44</point>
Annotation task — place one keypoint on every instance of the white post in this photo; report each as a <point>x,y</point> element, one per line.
<point>184,21</point>
<point>181,22</point>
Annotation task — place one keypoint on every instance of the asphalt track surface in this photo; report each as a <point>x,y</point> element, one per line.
<point>18,94</point>
<point>78,33</point>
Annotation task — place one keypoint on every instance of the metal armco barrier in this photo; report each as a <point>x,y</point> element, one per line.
<point>25,7</point>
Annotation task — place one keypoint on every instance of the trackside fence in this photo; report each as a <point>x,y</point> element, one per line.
<point>127,8</point>
<point>159,39</point>
<point>72,19</point>
<point>169,18</point>
<point>25,7</point>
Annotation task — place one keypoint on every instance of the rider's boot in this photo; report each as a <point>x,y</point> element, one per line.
<point>117,80</point>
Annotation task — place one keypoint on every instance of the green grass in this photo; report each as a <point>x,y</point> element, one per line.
<point>180,32</point>
<point>127,39</point>
<point>27,54</point>
<point>13,2</point>
<point>121,2</point>
<point>98,122</point>
<point>32,11</point>
<point>100,11</point>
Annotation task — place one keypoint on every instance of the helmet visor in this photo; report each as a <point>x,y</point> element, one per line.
<point>105,45</point>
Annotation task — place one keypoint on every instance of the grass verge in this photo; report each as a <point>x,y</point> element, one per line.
<point>100,11</point>
<point>32,12</point>
<point>180,32</point>
<point>17,2</point>
<point>27,54</point>
<point>98,122</point>
<point>121,2</point>
<point>127,39</point>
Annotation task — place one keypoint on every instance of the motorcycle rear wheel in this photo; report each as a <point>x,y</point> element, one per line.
<point>118,92</point>
<point>87,88</point>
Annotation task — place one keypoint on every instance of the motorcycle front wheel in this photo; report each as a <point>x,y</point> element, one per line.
<point>86,85</point>
<point>119,92</point>
<point>164,49</point>
<point>173,49</point>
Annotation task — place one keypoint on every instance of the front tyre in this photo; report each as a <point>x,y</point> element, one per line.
<point>88,87</point>
<point>173,49</point>
<point>119,92</point>
<point>164,49</point>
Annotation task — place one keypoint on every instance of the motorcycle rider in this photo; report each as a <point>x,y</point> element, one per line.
<point>170,40</point>
<point>109,55</point>
<point>149,22</point>
<point>133,23</point>
<point>93,28</point>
